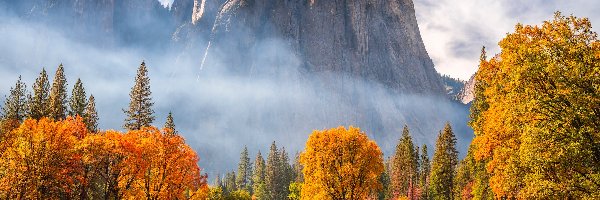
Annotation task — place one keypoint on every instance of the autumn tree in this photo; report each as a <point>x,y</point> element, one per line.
<point>90,116</point>
<point>41,163</point>
<point>78,101</point>
<point>341,163</point>
<point>445,159</point>
<point>38,103</point>
<point>537,117</point>
<point>258,177</point>
<point>404,166</point>
<point>158,166</point>
<point>140,113</point>
<point>170,125</point>
<point>58,95</point>
<point>244,174</point>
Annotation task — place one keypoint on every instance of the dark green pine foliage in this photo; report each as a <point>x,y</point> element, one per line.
<point>443,166</point>
<point>218,182</point>
<point>243,179</point>
<point>297,167</point>
<point>140,111</point>
<point>286,171</point>
<point>385,181</point>
<point>58,95</point>
<point>258,177</point>
<point>230,183</point>
<point>273,178</point>
<point>170,125</point>
<point>78,101</point>
<point>90,116</point>
<point>15,104</point>
<point>404,166</point>
<point>472,179</point>
<point>38,103</point>
<point>424,172</point>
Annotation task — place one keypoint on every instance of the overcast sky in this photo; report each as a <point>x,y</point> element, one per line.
<point>454,31</point>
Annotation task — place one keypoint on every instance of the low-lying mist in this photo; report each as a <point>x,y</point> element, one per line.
<point>219,112</point>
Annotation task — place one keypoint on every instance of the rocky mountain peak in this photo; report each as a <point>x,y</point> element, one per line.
<point>371,39</point>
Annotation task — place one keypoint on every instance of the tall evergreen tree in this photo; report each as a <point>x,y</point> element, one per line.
<point>243,179</point>
<point>258,177</point>
<point>273,179</point>
<point>78,101</point>
<point>140,111</point>
<point>297,167</point>
<point>90,117</point>
<point>14,109</point>
<point>230,183</point>
<point>170,125</point>
<point>404,165</point>
<point>15,104</point>
<point>286,171</point>
<point>58,95</point>
<point>444,164</point>
<point>425,170</point>
<point>38,103</point>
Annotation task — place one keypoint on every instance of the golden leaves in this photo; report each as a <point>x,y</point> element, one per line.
<point>340,163</point>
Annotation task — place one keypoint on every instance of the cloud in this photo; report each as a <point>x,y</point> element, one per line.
<point>455,31</point>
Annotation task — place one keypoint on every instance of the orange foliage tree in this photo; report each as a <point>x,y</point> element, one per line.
<point>56,160</point>
<point>340,163</point>
<point>537,112</point>
<point>41,161</point>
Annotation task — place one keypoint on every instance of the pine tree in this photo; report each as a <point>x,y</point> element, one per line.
<point>15,104</point>
<point>14,109</point>
<point>170,125</point>
<point>78,102</point>
<point>90,117</point>
<point>38,103</point>
<point>218,182</point>
<point>230,186</point>
<point>140,111</point>
<point>444,164</point>
<point>273,180</point>
<point>58,95</point>
<point>297,167</point>
<point>425,170</point>
<point>243,179</point>
<point>286,171</point>
<point>258,177</point>
<point>404,165</point>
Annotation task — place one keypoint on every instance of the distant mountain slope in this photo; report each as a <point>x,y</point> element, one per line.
<point>370,39</point>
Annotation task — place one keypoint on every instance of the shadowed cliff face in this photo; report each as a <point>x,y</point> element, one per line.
<point>371,39</point>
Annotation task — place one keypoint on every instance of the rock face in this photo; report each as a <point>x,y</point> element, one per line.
<point>467,94</point>
<point>373,39</point>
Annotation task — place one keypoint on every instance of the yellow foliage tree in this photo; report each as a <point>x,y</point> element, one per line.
<point>340,163</point>
<point>538,112</point>
<point>41,162</point>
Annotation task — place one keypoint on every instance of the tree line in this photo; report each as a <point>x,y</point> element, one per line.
<point>52,148</point>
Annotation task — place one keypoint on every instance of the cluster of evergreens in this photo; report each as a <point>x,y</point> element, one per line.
<point>48,101</point>
<point>261,179</point>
